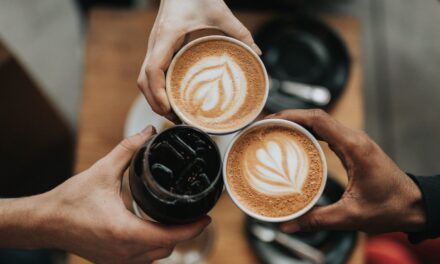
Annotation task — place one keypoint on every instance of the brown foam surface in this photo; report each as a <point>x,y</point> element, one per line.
<point>251,67</point>
<point>262,204</point>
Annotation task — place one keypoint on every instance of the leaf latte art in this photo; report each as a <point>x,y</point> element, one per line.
<point>215,88</point>
<point>216,85</point>
<point>277,166</point>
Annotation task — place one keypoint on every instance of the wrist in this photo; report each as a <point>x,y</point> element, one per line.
<point>415,217</point>
<point>48,220</point>
<point>22,222</point>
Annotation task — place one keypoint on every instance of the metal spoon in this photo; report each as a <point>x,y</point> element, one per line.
<point>317,95</point>
<point>300,248</point>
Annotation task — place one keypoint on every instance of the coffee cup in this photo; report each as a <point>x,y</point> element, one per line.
<point>274,170</point>
<point>217,84</point>
<point>175,177</point>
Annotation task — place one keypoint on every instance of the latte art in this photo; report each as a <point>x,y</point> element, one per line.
<point>273,169</point>
<point>216,87</point>
<point>217,84</point>
<point>278,167</point>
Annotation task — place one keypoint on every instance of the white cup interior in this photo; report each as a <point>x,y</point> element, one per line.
<point>287,124</point>
<point>176,108</point>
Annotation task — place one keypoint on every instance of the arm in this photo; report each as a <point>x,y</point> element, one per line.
<point>22,222</point>
<point>175,19</point>
<point>86,215</point>
<point>379,197</point>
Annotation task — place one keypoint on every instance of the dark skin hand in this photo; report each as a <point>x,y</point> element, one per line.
<point>379,196</point>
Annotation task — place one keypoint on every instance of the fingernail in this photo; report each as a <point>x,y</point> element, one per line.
<point>148,130</point>
<point>290,228</point>
<point>256,49</point>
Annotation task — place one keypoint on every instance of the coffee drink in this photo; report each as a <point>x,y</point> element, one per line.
<point>217,84</point>
<point>274,169</point>
<point>176,176</point>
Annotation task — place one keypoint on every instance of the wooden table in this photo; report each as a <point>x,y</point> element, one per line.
<point>116,47</point>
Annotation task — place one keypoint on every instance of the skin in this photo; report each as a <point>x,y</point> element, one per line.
<point>86,215</point>
<point>175,19</point>
<point>379,196</point>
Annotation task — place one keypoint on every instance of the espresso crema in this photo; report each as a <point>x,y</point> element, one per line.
<point>217,85</point>
<point>274,171</point>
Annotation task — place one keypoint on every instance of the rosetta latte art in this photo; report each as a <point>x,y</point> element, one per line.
<point>214,88</point>
<point>277,166</point>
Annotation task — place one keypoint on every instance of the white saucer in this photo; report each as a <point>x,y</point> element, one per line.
<point>141,115</point>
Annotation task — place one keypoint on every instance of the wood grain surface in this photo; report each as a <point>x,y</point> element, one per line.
<point>116,47</point>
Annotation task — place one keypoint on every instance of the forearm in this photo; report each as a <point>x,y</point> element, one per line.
<point>23,222</point>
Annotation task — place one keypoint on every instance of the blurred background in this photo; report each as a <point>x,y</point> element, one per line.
<point>400,57</point>
<point>42,56</point>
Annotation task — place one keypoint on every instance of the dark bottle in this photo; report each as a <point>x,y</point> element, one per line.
<point>175,177</point>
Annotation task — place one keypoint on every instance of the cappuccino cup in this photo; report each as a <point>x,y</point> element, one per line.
<point>217,84</point>
<point>274,170</point>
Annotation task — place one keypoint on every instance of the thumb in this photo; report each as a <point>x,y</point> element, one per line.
<point>121,155</point>
<point>333,216</point>
<point>234,28</point>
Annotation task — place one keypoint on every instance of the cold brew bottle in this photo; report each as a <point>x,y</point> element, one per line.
<point>175,177</point>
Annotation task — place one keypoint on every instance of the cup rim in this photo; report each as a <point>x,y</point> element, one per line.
<point>182,116</point>
<point>298,128</point>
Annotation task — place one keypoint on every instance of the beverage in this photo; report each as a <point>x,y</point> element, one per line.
<point>275,170</point>
<point>175,177</point>
<point>217,84</point>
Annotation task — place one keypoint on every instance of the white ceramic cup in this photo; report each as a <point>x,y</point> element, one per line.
<point>290,125</point>
<point>173,104</point>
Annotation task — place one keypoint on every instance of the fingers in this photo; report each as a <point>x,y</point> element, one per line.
<point>152,233</point>
<point>185,232</point>
<point>156,240</point>
<point>157,61</point>
<point>234,28</point>
<point>149,256</point>
<point>156,79</point>
<point>151,80</point>
<point>333,216</point>
<point>120,156</point>
<point>156,96</point>
<point>160,253</point>
<point>143,86</point>
<point>173,118</point>
<point>320,124</point>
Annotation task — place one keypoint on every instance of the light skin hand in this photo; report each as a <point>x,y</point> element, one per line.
<point>86,215</point>
<point>175,19</point>
<point>379,196</point>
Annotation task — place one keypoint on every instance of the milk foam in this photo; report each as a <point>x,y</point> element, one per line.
<point>216,86</point>
<point>278,166</point>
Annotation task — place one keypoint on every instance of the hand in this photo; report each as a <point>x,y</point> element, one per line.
<point>174,20</point>
<point>379,196</point>
<point>86,215</point>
